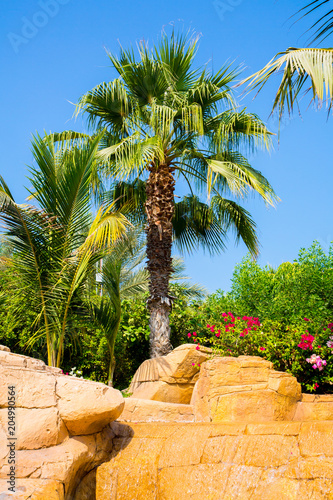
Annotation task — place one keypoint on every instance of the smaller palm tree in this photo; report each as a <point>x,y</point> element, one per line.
<point>57,242</point>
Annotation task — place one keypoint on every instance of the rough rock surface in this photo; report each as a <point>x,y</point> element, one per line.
<point>315,407</point>
<point>225,461</point>
<point>61,428</point>
<point>143,410</point>
<point>169,378</point>
<point>244,389</point>
<point>255,436</point>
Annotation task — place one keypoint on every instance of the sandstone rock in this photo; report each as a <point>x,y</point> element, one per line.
<point>165,392</point>
<point>169,378</point>
<point>263,461</point>
<point>86,490</point>
<point>86,407</point>
<point>315,439</point>
<point>4,348</point>
<point>36,428</point>
<point>244,389</point>
<point>33,388</point>
<point>313,407</point>
<point>143,410</point>
<point>33,489</point>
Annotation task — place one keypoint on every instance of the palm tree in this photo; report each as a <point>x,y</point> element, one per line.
<point>57,242</point>
<point>308,69</point>
<point>164,120</point>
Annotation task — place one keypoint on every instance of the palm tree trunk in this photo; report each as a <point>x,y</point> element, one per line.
<point>159,208</point>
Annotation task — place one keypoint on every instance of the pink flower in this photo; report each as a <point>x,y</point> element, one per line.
<point>306,319</point>
<point>262,348</point>
<point>189,335</point>
<point>195,334</point>
<point>315,386</point>
<point>242,334</point>
<point>193,364</point>
<point>198,348</point>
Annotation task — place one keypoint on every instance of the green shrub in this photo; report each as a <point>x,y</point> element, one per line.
<point>289,348</point>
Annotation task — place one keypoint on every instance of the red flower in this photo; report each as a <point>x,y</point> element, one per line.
<point>195,334</point>
<point>198,348</point>
<point>262,348</point>
<point>189,335</point>
<point>306,319</point>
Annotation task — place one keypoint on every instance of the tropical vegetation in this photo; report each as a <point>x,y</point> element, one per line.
<point>165,120</point>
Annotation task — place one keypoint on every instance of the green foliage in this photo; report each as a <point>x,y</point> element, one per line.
<point>283,345</point>
<point>293,291</point>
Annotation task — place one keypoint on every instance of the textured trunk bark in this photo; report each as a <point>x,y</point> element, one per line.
<point>159,208</point>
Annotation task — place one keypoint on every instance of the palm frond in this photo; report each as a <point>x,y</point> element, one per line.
<point>302,69</point>
<point>323,27</point>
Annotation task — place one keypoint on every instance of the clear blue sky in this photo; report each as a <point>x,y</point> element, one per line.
<point>53,52</point>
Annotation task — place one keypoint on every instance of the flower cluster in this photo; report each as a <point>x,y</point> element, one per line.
<point>195,339</point>
<point>316,362</point>
<point>229,319</point>
<point>330,342</point>
<point>306,342</point>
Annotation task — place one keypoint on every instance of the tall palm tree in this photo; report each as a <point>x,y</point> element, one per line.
<point>165,120</point>
<point>303,69</point>
<point>57,242</point>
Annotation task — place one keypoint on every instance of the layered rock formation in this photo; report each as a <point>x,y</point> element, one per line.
<point>61,427</point>
<point>249,433</point>
<point>244,389</point>
<point>169,378</point>
<point>225,461</point>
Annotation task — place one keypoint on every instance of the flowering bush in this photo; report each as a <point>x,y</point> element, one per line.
<point>286,346</point>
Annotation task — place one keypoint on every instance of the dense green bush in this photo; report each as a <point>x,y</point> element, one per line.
<point>293,291</point>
